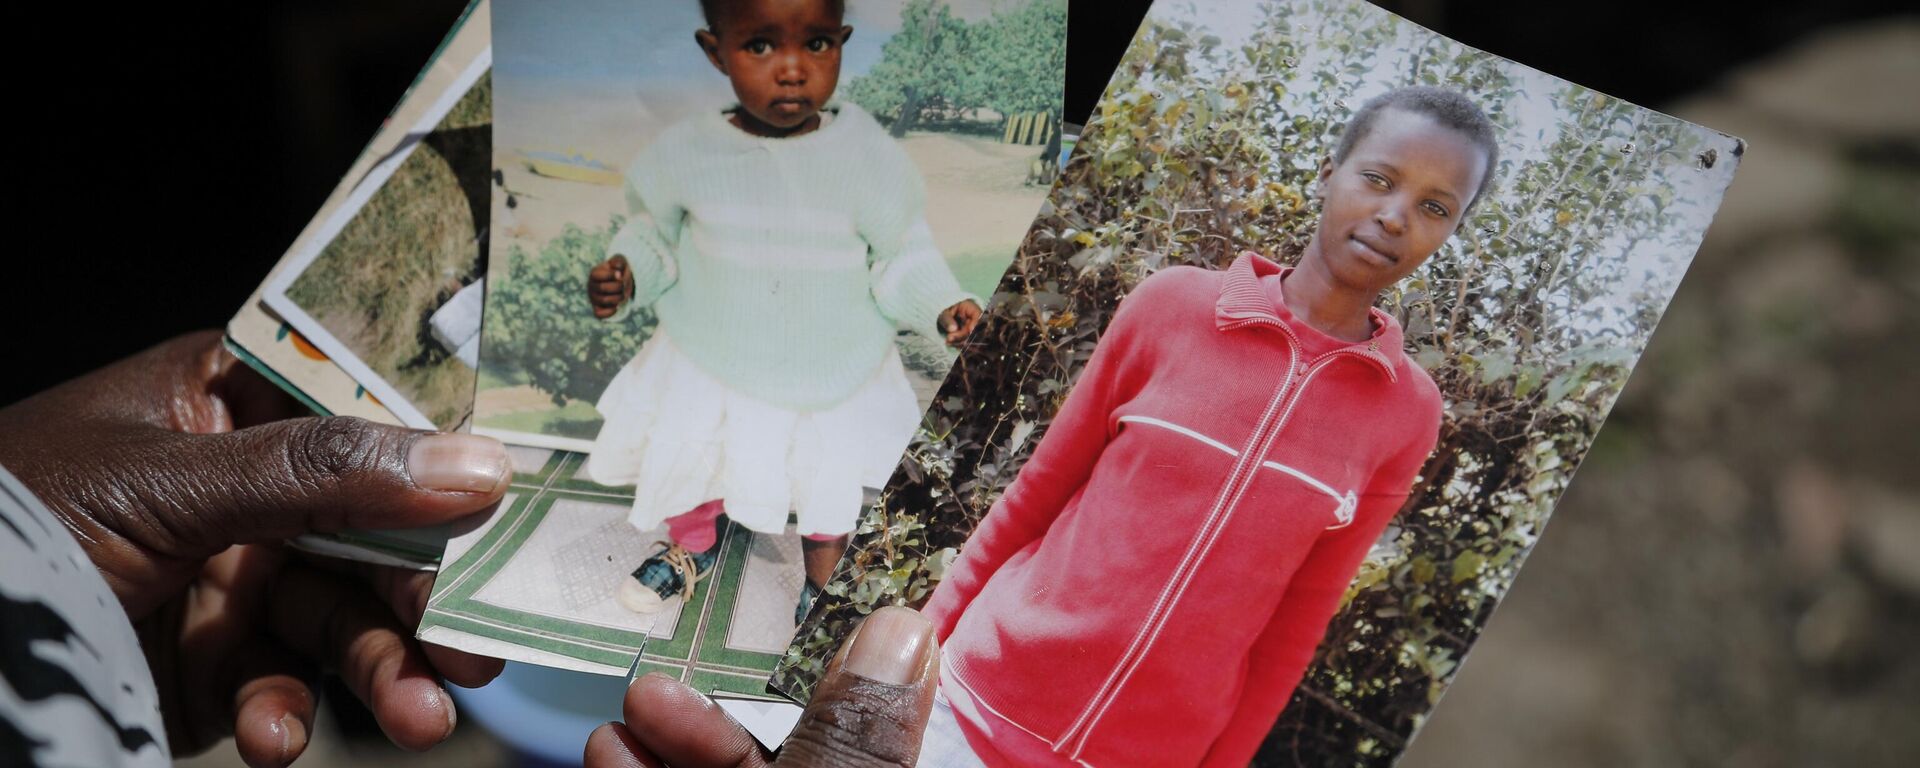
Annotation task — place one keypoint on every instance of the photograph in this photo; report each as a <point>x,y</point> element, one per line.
<point>736,247</point>
<point>1279,391</point>
<point>273,348</point>
<point>389,289</point>
<point>271,345</point>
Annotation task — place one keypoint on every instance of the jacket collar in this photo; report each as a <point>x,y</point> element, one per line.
<point>1243,302</point>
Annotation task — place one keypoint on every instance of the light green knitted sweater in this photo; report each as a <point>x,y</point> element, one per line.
<point>784,267</point>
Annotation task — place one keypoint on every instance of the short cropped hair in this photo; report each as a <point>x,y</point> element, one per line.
<point>1447,107</point>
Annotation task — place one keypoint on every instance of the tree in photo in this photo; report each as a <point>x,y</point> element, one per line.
<point>942,68</point>
<point>921,68</point>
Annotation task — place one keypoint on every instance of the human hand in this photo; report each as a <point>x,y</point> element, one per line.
<point>176,477</point>
<point>959,320</point>
<point>871,710</point>
<point>609,285</point>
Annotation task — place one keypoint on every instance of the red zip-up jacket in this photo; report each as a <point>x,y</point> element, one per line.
<point>1153,584</point>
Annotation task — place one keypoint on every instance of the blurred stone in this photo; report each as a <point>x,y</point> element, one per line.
<point>1785,182</point>
<point>1886,532</point>
<point>1870,309</point>
<point>1574,698</point>
<point>1824,83</point>
<point>1839,628</point>
<point>1715,490</point>
<point>1813,517</point>
<point>1785,288</point>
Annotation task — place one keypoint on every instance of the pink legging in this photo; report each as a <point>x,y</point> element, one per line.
<point>694,530</point>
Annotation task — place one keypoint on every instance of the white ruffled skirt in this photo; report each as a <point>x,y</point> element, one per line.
<point>682,438</point>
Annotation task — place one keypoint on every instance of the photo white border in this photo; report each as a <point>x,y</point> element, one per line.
<point>535,439</point>
<point>274,294</point>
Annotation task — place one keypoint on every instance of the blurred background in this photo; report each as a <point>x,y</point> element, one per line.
<point>1734,578</point>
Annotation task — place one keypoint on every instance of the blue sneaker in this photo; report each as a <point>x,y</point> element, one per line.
<point>808,593</point>
<point>669,573</point>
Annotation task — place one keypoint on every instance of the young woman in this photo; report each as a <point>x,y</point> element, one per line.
<point>1152,586</point>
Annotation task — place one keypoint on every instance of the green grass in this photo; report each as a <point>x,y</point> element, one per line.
<point>979,269</point>
<point>402,256</point>
<point>578,419</point>
<point>497,377</point>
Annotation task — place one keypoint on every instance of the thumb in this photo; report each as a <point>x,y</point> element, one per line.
<point>869,712</point>
<point>872,708</point>
<point>286,478</point>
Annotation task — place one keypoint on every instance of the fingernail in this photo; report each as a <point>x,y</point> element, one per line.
<point>453,718</point>
<point>891,646</point>
<point>455,462</point>
<point>293,737</point>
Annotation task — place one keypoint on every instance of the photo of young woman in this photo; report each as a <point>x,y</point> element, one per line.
<point>1283,385</point>
<point>1238,441</point>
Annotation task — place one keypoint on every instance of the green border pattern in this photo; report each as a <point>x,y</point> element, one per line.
<point>696,652</point>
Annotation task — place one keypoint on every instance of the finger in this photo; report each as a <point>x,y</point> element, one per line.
<point>609,269</point>
<point>613,746</point>
<point>249,398</point>
<point>274,705</point>
<point>406,592</point>
<point>608,285</point>
<point>162,386</point>
<point>283,479</point>
<point>684,728</point>
<point>970,320</point>
<point>219,639</point>
<point>872,708</point>
<point>334,619</point>
<point>231,679</point>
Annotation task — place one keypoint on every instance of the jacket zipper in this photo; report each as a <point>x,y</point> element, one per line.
<point>1077,730</point>
<point>1246,466</point>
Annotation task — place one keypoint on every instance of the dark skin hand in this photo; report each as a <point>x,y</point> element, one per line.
<point>609,285</point>
<point>959,321</point>
<point>870,711</point>
<point>178,471</point>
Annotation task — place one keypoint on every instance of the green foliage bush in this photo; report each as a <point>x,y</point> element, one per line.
<point>938,67</point>
<point>540,324</point>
